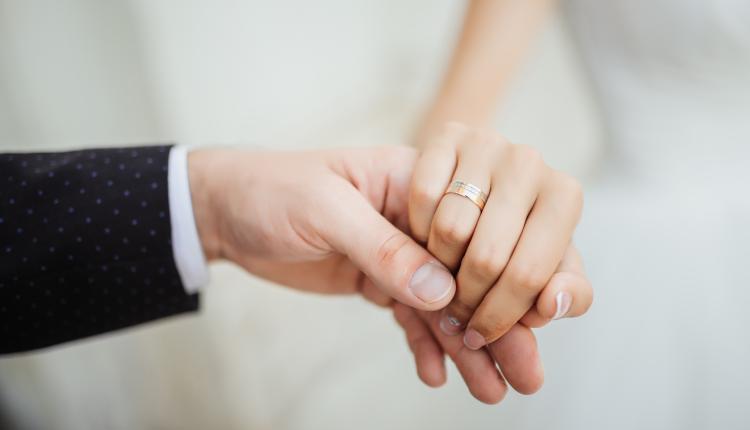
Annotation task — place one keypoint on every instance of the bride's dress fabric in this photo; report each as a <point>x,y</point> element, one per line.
<point>666,226</point>
<point>665,231</point>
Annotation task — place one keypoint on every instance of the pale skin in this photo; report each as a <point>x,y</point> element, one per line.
<point>331,221</point>
<point>516,247</point>
<point>338,222</point>
<point>320,221</point>
<point>505,254</point>
<point>515,267</point>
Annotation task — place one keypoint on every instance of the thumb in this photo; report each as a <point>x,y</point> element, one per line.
<point>390,258</point>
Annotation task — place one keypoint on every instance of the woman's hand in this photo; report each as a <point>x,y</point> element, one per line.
<point>511,360</point>
<point>506,253</point>
<point>323,221</point>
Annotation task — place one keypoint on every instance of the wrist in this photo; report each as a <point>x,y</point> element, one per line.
<point>203,173</point>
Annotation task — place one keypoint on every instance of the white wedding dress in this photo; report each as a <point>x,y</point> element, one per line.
<point>665,233</point>
<point>666,227</point>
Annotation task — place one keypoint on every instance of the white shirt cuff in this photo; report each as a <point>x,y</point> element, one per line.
<point>186,244</point>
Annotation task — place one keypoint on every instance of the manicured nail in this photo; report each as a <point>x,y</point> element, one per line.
<point>473,340</point>
<point>564,300</point>
<point>431,283</point>
<point>450,325</point>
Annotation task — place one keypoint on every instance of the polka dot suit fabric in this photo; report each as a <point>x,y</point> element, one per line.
<point>85,245</point>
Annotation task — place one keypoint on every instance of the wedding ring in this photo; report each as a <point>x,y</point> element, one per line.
<point>470,191</point>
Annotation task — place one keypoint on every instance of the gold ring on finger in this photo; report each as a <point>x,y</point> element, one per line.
<point>470,191</point>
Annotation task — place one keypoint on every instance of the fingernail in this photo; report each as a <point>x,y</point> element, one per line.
<point>473,340</point>
<point>564,300</point>
<point>431,282</point>
<point>450,325</point>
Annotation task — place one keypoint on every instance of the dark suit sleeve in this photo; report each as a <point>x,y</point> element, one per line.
<point>85,245</point>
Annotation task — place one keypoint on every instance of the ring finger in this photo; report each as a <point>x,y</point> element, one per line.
<point>457,215</point>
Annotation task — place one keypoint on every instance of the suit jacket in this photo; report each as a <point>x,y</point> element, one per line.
<point>85,245</point>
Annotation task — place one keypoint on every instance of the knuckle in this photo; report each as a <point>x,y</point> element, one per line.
<point>493,143</point>
<point>571,189</point>
<point>469,141</point>
<point>526,279</point>
<point>387,252</point>
<point>575,190</point>
<point>498,140</point>
<point>475,133</point>
<point>451,232</point>
<point>394,159</point>
<point>487,264</point>
<point>529,157</point>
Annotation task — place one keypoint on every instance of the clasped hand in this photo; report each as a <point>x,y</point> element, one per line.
<point>462,281</point>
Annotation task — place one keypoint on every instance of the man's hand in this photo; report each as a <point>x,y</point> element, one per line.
<point>322,221</point>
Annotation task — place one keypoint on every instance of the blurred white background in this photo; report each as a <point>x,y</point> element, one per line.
<point>274,74</point>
